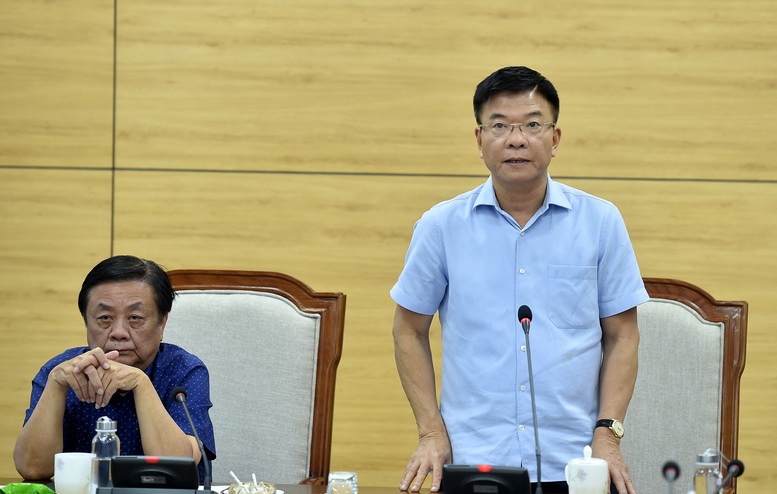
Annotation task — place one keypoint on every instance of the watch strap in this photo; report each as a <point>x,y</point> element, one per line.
<point>604,423</point>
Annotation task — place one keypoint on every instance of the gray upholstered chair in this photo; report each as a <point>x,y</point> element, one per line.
<point>686,400</point>
<point>272,346</point>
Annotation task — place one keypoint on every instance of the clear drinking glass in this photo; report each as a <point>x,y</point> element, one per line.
<point>342,483</point>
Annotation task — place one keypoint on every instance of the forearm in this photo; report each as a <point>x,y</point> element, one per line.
<point>618,375</point>
<point>159,433</point>
<point>41,437</point>
<point>416,372</point>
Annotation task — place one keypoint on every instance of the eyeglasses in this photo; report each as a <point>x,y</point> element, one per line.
<point>530,128</point>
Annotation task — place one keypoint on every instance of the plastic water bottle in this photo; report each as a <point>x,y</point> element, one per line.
<point>708,476</point>
<point>105,446</point>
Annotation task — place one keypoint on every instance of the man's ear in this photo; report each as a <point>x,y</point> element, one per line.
<point>479,139</point>
<point>556,140</point>
<point>162,325</point>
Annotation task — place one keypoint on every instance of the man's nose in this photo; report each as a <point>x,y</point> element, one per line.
<point>516,137</point>
<point>120,330</point>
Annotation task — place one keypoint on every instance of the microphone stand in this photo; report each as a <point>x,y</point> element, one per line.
<point>735,469</point>
<point>179,394</point>
<point>525,324</point>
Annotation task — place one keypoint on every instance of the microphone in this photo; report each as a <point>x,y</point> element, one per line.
<point>671,471</point>
<point>735,469</point>
<point>524,317</point>
<point>179,395</point>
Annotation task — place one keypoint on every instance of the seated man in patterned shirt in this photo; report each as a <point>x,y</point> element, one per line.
<point>125,373</point>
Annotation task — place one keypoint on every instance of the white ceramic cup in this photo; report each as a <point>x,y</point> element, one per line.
<point>587,475</point>
<point>72,473</point>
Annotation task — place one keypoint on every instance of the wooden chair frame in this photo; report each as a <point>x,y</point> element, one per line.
<point>331,309</point>
<point>733,315</point>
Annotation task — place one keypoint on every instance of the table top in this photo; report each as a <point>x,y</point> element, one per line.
<point>286,488</point>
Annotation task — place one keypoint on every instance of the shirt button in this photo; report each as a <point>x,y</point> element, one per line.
<point>522,271</point>
<point>523,233</point>
<point>523,348</point>
<point>523,387</point>
<point>521,427</point>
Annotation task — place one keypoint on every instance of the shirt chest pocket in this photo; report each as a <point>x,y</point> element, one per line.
<point>573,296</point>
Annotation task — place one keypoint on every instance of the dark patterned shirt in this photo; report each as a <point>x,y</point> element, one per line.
<point>173,366</point>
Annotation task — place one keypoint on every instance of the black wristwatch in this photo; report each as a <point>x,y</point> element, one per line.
<point>615,426</point>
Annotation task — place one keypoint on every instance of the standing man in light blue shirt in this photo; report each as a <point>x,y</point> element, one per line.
<point>519,239</point>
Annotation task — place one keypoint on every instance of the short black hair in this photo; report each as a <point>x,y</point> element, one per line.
<point>515,80</point>
<point>129,268</point>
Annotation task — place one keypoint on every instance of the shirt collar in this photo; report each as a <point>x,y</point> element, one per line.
<point>554,196</point>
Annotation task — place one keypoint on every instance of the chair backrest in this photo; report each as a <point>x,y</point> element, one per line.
<point>272,346</point>
<point>686,400</point>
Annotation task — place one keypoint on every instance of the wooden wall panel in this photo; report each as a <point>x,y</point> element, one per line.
<point>55,226</point>
<point>656,90</point>
<point>56,83</point>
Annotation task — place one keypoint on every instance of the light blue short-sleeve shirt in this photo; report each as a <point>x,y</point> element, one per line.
<point>572,264</point>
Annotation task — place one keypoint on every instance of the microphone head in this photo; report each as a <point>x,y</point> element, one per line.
<point>179,394</point>
<point>524,312</point>
<point>736,468</point>
<point>671,471</point>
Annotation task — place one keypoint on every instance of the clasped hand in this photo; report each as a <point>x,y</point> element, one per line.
<point>95,376</point>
